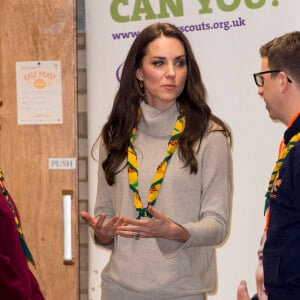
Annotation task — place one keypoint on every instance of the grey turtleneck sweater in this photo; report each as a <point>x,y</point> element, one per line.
<point>159,268</point>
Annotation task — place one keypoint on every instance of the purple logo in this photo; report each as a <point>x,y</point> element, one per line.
<point>119,71</point>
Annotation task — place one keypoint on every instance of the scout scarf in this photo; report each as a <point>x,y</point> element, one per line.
<point>278,164</point>
<point>9,201</point>
<point>160,172</point>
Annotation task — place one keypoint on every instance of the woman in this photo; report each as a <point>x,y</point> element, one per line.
<point>161,134</point>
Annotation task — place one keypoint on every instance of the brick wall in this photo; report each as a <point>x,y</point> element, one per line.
<point>82,163</point>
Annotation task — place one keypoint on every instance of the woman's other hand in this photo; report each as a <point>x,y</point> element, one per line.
<point>104,230</point>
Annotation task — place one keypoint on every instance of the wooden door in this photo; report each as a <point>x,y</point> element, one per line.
<point>41,30</point>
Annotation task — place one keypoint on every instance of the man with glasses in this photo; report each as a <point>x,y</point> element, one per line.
<point>279,86</point>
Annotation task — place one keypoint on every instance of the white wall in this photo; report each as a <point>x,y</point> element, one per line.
<point>227,59</point>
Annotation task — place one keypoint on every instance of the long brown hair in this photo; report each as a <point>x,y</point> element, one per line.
<point>124,116</point>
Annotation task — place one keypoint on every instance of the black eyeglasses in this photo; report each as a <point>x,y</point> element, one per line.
<point>259,80</point>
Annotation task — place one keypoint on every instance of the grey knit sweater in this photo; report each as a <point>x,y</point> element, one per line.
<point>159,268</point>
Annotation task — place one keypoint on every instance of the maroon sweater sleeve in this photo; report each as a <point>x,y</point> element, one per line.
<point>16,280</point>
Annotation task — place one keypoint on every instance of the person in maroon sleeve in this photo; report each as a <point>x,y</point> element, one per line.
<point>16,280</point>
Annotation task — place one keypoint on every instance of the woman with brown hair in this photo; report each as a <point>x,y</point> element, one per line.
<point>164,178</point>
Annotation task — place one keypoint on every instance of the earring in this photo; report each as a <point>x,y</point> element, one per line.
<point>142,90</point>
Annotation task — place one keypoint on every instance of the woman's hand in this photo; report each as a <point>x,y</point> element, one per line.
<point>159,226</point>
<point>104,231</point>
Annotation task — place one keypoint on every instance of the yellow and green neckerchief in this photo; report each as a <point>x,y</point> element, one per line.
<point>278,164</point>
<point>160,172</point>
<point>9,201</point>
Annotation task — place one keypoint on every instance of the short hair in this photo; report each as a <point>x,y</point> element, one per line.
<point>283,53</point>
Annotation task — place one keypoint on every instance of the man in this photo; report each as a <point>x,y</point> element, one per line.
<point>279,85</point>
